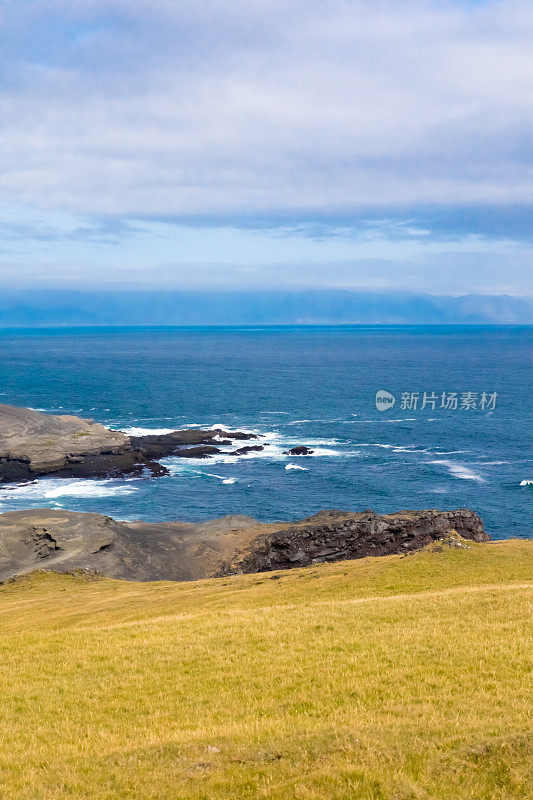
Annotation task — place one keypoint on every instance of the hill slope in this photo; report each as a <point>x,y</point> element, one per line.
<point>65,540</point>
<point>381,678</point>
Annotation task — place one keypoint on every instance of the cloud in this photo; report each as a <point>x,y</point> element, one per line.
<point>382,144</point>
<point>66,251</point>
<point>250,112</point>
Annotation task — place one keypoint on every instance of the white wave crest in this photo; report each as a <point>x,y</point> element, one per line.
<point>458,470</point>
<point>376,421</point>
<point>526,483</point>
<point>224,427</point>
<point>180,468</point>
<point>375,444</point>
<point>327,451</point>
<point>275,448</point>
<point>51,488</point>
<point>145,431</point>
<point>222,478</point>
<point>397,448</point>
<point>296,466</point>
<point>449,452</point>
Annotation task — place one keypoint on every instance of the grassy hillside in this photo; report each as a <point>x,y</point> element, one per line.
<point>390,678</point>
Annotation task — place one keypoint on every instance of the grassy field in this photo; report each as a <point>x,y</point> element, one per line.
<point>398,677</point>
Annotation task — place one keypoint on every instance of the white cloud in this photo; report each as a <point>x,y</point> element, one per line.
<point>347,143</point>
<point>56,249</point>
<point>230,110</point>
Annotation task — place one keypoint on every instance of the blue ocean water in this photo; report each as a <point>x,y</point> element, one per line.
<point>301,385</point>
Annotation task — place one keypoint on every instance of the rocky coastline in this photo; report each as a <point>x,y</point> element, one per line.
<point>67,540</point>
<point>34,444</point>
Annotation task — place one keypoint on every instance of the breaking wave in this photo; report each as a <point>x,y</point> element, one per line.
<point>52,488</point>
<point>458,470</point>
<point>145,431</point>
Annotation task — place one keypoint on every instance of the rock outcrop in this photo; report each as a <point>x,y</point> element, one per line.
<point>338,535</point>
<point>300,450</point>
<point>67,540</point>
<point>33,443</point>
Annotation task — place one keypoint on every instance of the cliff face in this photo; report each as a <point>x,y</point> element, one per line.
<point>336,535</point>
<point>66,540</point>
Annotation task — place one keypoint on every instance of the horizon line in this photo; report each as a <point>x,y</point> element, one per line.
<point>277,325</point>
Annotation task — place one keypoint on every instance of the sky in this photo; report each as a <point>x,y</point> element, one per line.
<point>362,144</point>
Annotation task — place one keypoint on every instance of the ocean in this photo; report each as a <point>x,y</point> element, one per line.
<point>457,435</point>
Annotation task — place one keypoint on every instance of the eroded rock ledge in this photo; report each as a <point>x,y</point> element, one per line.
<point>67,540</point>
<point>33,443</point>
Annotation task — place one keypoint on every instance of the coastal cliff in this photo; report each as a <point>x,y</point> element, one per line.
<point>67,540</point>
<point>33,444</point>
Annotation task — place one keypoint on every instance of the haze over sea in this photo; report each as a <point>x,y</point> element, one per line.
<point>294,385</point>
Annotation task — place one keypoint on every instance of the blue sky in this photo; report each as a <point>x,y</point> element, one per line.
<point>304,143</point>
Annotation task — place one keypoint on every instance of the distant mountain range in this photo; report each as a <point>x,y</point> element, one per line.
<point>311,307</point>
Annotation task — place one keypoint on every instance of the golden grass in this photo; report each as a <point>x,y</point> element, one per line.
<point>387,679</point>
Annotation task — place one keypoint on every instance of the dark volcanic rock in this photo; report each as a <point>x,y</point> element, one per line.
<point>66,540</point>
<point>175,443</point>
<point>204,451</point>
<point>251,448</point>
<point>301,450</point>
<point>34,444</point>
<point>337,535</point>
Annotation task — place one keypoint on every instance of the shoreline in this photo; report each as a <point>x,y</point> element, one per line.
<point>35,444</point>
<point>69,540</point>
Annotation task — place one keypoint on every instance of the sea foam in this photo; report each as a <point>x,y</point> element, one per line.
<point>458,470</point>
<point>145,431</point>
<point>52,488</point>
